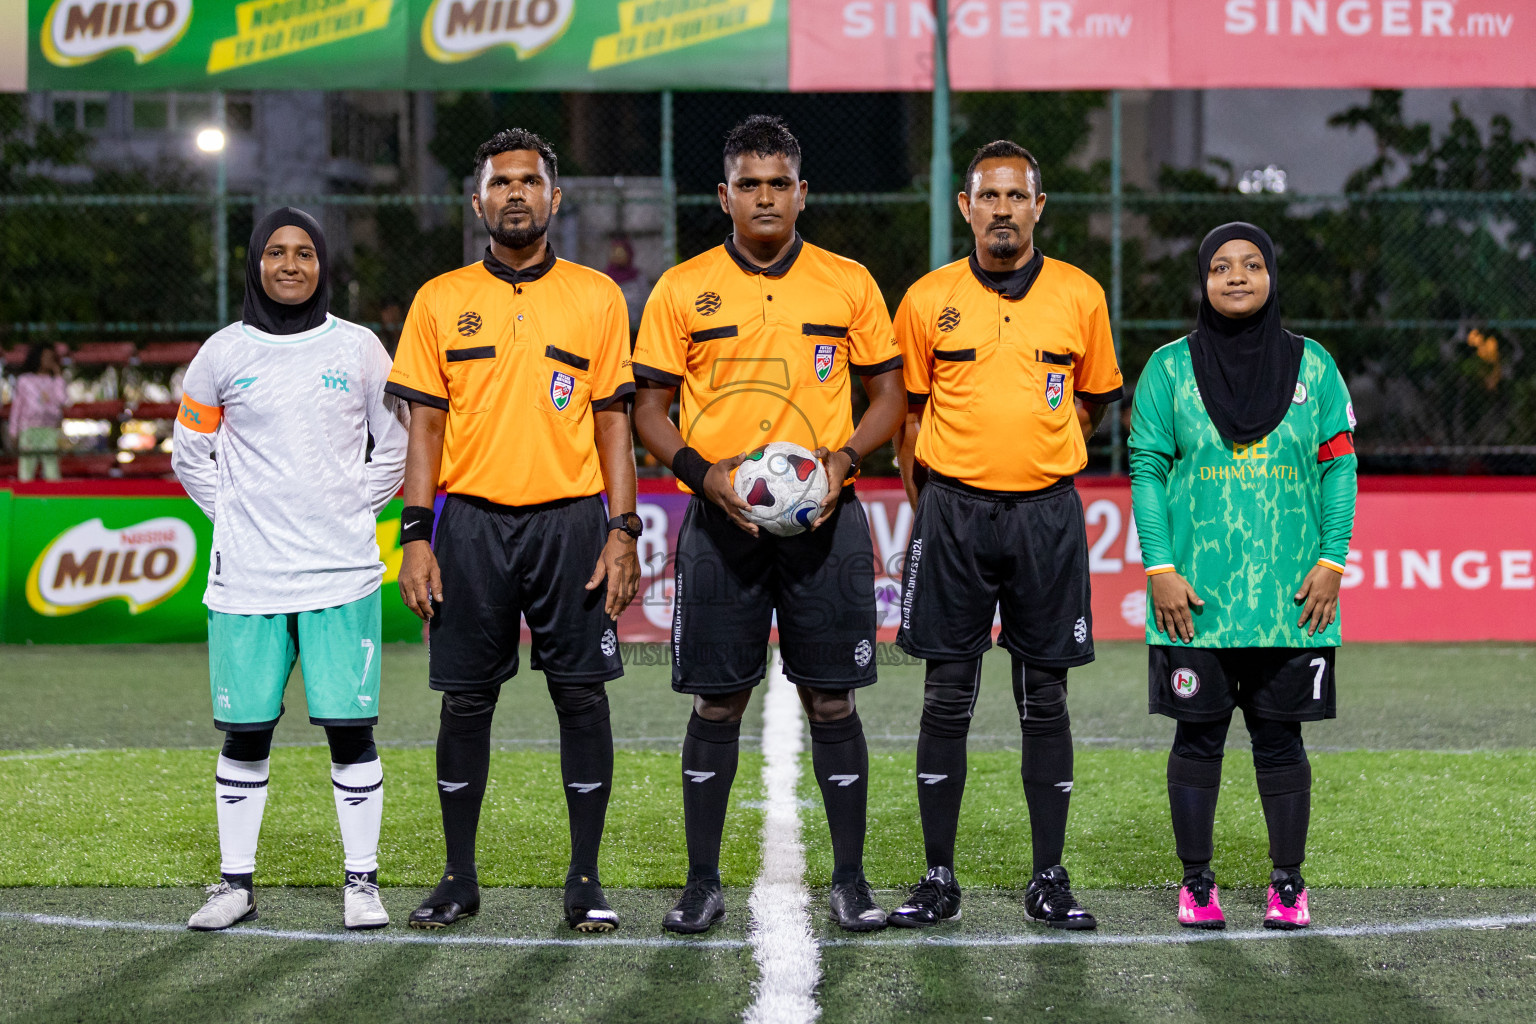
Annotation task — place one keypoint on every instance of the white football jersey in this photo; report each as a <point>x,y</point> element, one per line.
<point>272,444</point>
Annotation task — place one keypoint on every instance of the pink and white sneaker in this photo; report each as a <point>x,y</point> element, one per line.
<point>1287,902</point>
<point>1199,906</point>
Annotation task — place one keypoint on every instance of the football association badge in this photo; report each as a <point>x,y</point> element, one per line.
<point>1185,683</point>
<point>1055,389</point>
<point>825,354</point>
<point>1300,397</point>
<point>560,387</point>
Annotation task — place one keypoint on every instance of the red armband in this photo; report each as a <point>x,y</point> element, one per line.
<point>1336,447</point>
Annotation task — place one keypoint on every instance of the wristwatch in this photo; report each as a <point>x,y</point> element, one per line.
<point>629,522</point>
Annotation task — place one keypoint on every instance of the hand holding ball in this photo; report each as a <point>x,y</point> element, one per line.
<point>783,485</point>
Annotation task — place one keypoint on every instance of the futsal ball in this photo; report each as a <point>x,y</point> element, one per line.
<point>783,485</point>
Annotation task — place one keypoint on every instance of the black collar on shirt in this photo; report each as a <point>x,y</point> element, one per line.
<point>778,269</point>
<point>1011,284</point>
<point>520,277</point>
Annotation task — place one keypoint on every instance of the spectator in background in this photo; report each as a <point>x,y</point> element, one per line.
<point>391,323</point>
<point>621,267</point>
<point>37,413</point>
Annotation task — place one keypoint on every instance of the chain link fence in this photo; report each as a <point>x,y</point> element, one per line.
<point>1421,279</point>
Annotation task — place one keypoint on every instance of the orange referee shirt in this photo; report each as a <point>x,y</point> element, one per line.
<point>999,364</point>
<point>765,354</point>
<point>519,360</point>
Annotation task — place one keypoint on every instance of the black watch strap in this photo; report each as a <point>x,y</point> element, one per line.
<point>853,457</point>
<point>629,522</point>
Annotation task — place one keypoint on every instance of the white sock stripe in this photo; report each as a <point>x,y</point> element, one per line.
<point>788,958</point>
<point>242,771</point>
<point>358,789</point>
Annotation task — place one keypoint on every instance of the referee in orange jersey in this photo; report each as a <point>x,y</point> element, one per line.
<point>997,347</point>
<point>761,338</point>
<point>517,370</point>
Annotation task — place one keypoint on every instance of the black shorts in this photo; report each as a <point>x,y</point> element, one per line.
<point>977,552</point>
<point>500,562</point>
<point>730,584</point>
<point>1204,684</point>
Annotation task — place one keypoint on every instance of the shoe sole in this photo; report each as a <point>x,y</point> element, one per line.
<point>591,925</point>
<point>859,926</point>
<point>1066,926</point>
<point>368,927</point>
<point>253,915</point>
<point>1207,926</point>
<point>1284,926</point>
<point>680,930</point>
<point>428,926</point>
<point>908,922</point>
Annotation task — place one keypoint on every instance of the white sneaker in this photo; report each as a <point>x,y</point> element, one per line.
<point>363,907</point>
<point>227,905</point>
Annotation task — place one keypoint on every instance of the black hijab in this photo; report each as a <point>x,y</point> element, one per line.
<point>262,311</point>
<point>1246,369</point>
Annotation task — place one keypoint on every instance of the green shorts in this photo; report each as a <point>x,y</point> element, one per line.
<point>251,656</point>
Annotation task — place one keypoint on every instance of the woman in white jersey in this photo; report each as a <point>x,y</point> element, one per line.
<point>272,442</point>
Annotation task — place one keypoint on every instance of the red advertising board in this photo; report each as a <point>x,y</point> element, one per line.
<point>1431,559</point>
<point>1425,564</point>
<point>1178,44</point>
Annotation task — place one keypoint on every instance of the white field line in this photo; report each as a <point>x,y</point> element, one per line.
<point>906,939</point>
<point>788,959</point>
<point>370,938</point>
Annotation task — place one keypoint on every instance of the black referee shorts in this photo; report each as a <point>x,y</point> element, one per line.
<point>974,551</point>
<point>502,562</point>
<point>1204,684</point>
<point>730,584</point>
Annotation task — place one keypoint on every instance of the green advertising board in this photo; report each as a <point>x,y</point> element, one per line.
<point>202,44</point>
<point>128,568</point>
<point>591,45</point>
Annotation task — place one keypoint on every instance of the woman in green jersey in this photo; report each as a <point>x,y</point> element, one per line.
<point>1243,487</point>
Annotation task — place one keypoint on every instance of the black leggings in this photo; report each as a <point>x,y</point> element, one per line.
<point>1276,745</point>
<point>350,744</point>
<point>951,689</point>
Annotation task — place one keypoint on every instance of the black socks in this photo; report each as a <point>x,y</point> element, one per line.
<point>1041,695</point>
<point>463,762</point>
<point>1193,787</point>
<point>710,752</point>
<point>840,758</point>
<point>1284,780</point>
<point>586,769</point>
<point>949,700</point>
<point>1286,796</point>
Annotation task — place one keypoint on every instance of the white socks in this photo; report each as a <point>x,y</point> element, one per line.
<point>240,793</point>
<point>359,790</point>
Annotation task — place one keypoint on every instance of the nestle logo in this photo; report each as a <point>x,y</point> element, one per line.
<point>469,324</point>
<point>708,304</point>
<point>949,319</point>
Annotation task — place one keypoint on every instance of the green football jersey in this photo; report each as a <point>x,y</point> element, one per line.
<point>1244,523</point>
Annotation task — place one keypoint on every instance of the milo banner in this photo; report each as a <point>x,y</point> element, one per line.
<point>120,562</point>
<point>115,562</point>
<point>216,44</point>
<point>592,45</point>
<point>413,44</point>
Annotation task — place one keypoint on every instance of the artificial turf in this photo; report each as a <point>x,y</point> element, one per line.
<point>1423,809</point>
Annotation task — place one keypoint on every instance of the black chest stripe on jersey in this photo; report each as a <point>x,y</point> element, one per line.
<point>459,355</point>
<point>823,331</point>
<point>568,358</point>
<point>1056,358</point>
<point>955,355</point>
<point>714,333</point>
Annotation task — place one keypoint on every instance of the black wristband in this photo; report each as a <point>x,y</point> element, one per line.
<point>853,458</point>
<point>690,467</point>
<point>416,524</point>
